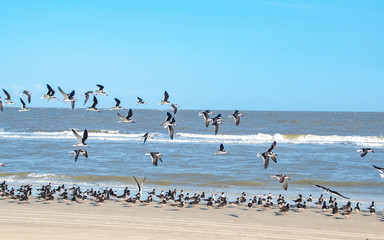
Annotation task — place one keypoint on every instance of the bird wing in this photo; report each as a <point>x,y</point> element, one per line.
<point>319,186</point>
<point>272,146</point>
<point>221,147</point>
<point>174,108</point>
<point>216,125</point>
<point>237,120</point>
<point>76,153</point>
<point>72,94</point>
<point>363,153</point>
<point>1,106</point>
<point>140,100</point>
<point>85,135</point>
<point>170,131</point>
<point>86,97</point>
<point>64,94</point>
<point>206,119</point>
<point>73,105</point>
<point>79,139</point>
<point>169,117</point>
<point>94,102</point>
<point>285,183</point>
<point>338,194</point>
<point>117,102</point>
<point>121,117</point>
<point>154,159</point>
<point>101,87</point>
<point>7,94</point>
<point>129,115</point>
<point>138,185</point>
<point>22,103</point>
<point>50,89</point>
<point>265,159</point>
<point>379,168</point>
<point>28,97</point>
<point>84,152</point>
<point>274,159</point>
<point>166,96</point>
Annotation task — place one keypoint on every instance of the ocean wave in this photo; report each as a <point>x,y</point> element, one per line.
<point>260,138</point>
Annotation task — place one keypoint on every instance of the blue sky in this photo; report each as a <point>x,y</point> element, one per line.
<point>208,54</point>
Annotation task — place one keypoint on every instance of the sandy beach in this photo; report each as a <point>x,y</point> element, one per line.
<point>120,220</point>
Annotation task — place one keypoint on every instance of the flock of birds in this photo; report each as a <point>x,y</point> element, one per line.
<point>48,192</point>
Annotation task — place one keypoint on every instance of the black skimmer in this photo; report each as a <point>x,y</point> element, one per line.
<point>69,97</point>
<point>140,101</point>
<point>81,140</point>
<point>23,106</point>
<point>165,99</point>
<point>126,118</point>
<point>169,122</point>
<point>77,152</point>
<point>221,150</point>
<point>174,107</point>
<point>8,100</point>
<point>357,208</point>
<point>93,107</point>
<point>268,154</point>
<point>155,156</point>
<point>86,96</point>
<point>285,208</point>
<point>139,187</point>
<point>27,94</point>
<point>146,136</point>
<point>372,208</point>
<point>381,170</point>
<point>50,94</point>
<point>282,179</point>
<point>236,115</point>
<point>215,122</point>
<point>117,105</point>
<point>327,190</point>
<point>206,116</point>
<point>100,90</point>
<point>364,151</point>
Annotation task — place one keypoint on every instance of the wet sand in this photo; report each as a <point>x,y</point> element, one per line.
<point>119,220</point>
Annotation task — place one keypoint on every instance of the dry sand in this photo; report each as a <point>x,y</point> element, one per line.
<point>120,220</point>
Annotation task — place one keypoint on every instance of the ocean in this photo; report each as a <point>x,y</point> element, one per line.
<point>312,148</point>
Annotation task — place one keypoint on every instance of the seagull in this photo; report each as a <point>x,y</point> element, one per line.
<point>206,116</point>
<point>100,90</point>
<point>381,170</point>
<point>27,94</point>
<point>327,190</point>
<point>86,96</point>
<point>93,107</point>
<point>268,154</point>
<point>80,140</point>
<point>139,187</point>
<point>146,136</point>
<point>126,118</point>
<point>282,179</point>
<point>169,122</point>
<point>364,151</point>
<point>236,115</point>
<point>221,150</point>
<point>174,107</point>
<point>23,106</point>
<point>165,99</point>
<point>69,97</point>
<point>7,98</point>
<point>117,106</point>
<point>77,152</point>
<point>140,101</point>
<point>155,156</point>
<point>50,94</point>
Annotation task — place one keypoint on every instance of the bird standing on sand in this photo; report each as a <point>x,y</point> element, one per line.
<point>126,118</point>
<point>93,107</point>
<point>117,105</point>
<point>364,151</point>
<point>77,152</point>
<point>282,179</point>
<point>327,190</point>
<point>268,154</point>
<point>221,150</point>
<point>80,140</point>
<point>23,106</point>
<point>236,115</point>
<point>155,156</point>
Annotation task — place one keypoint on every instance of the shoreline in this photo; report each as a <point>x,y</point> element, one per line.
<point>118,220</point>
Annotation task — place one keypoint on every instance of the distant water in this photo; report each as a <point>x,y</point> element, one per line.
<point>312,147</point>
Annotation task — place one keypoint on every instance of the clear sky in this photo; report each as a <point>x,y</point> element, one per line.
<point>208,54</point>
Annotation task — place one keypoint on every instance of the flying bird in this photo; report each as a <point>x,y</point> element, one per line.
<point>93,107</point>
<point>100,90</point>
<point>155,156</point>
<point>117,105</point>
<point>236,115</point>
<point>77,152</point>
<point>282,179</point>
<point>165,99</point>
<point>7,98</point>
<point>126,118</point>
<point>174,107</point>
<point>23,106</point>
<point>139,187</point>
<point>80,140</point>
<point>268,154</point>
<point>221,150</point>
<point>327,190</point>
<point>206,116</point>
<point>140,101</point>
<point>50,95</point>
<point>215,122</point>
<point>27,94</point>
<point>381,170</point>
<point>146,136</point>
<point>364,151</point>
<point>69,97</point>
<point>86,96</point>
<point>169,122</point>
